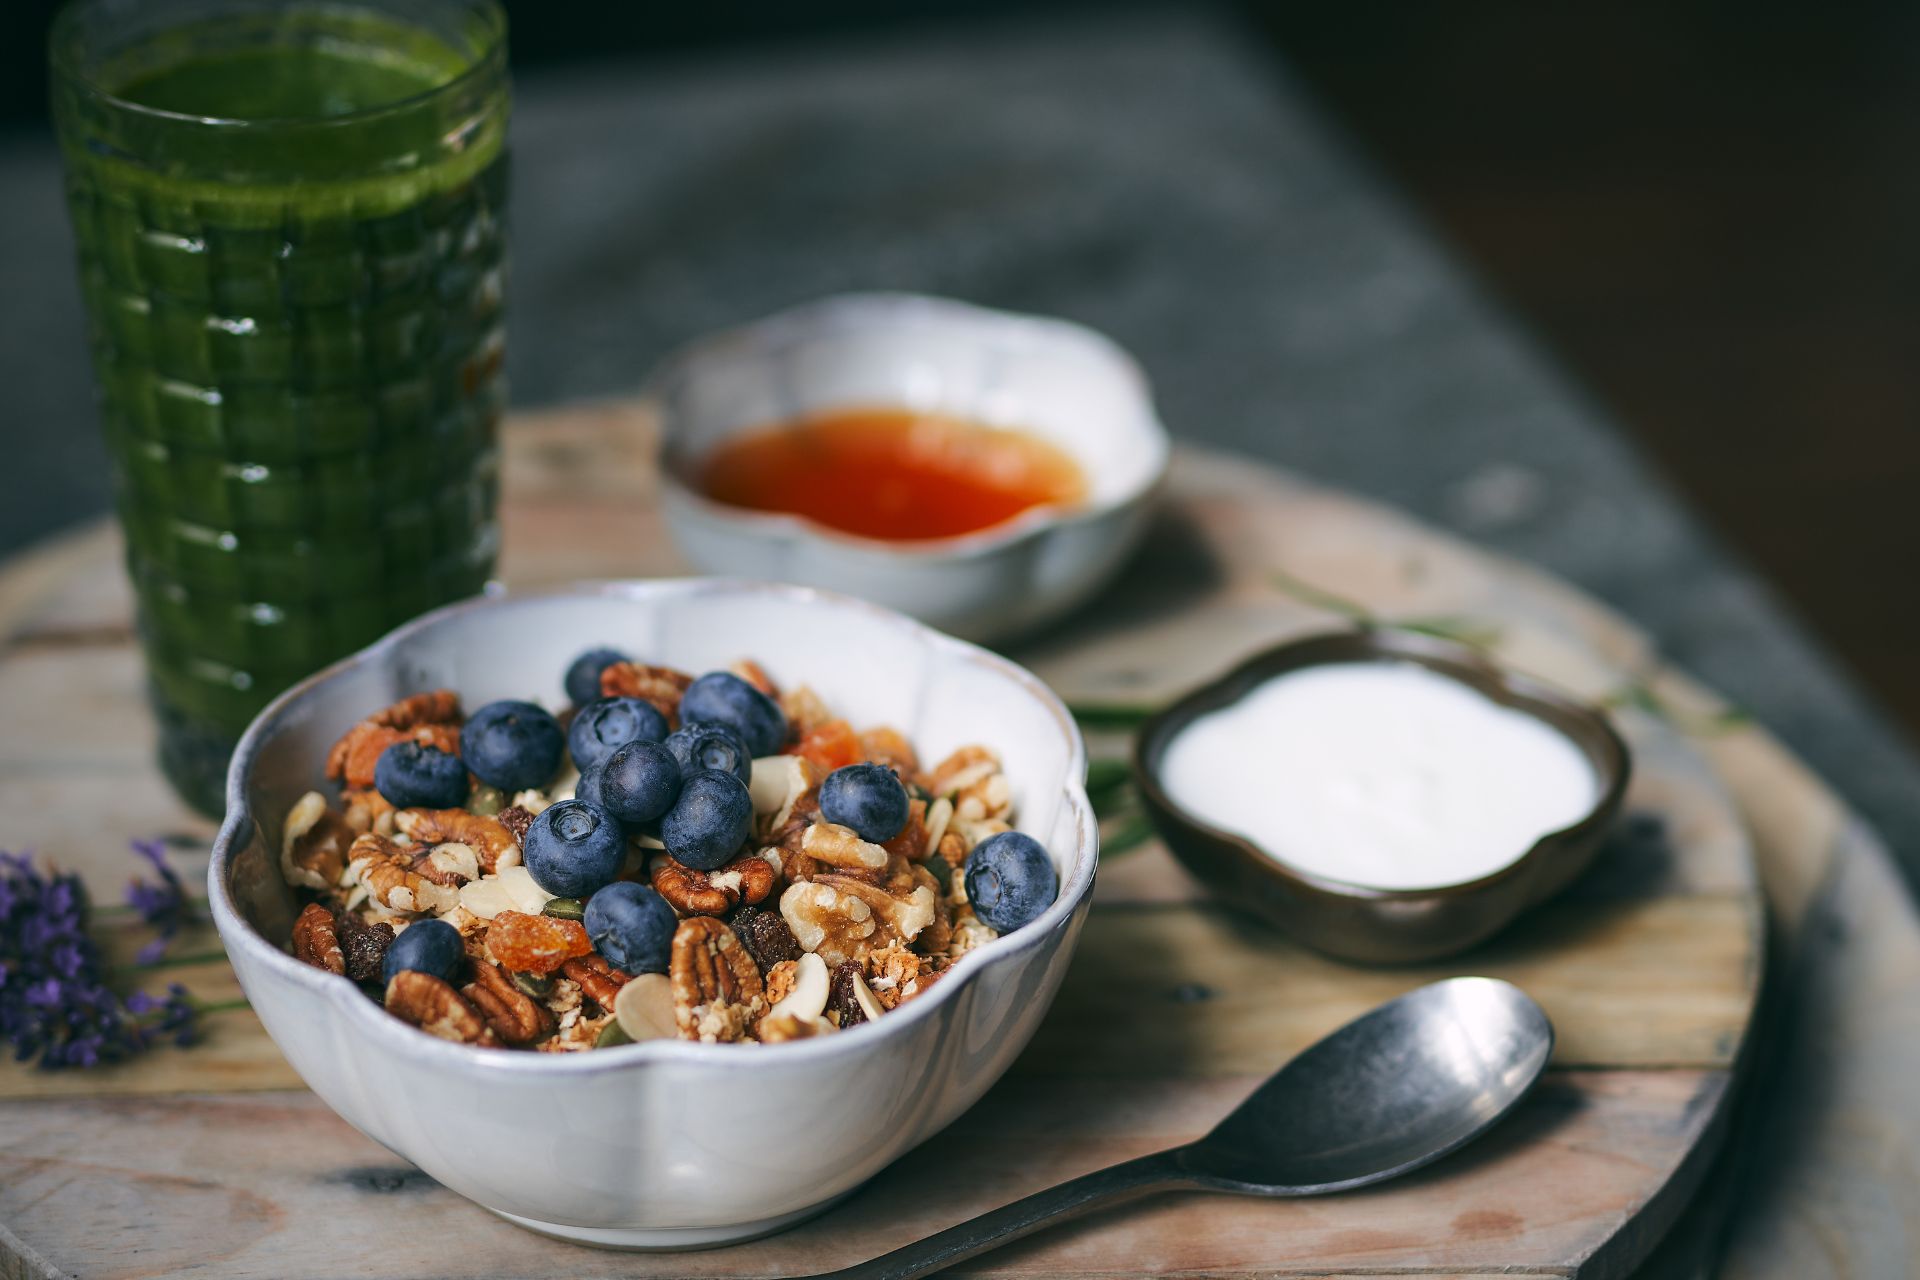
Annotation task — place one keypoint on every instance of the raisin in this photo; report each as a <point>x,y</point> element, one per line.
<point>364,946</point>
<point>536,944</point>
<point>765,936</point>
<point>840,997</point>
<point>516,820</point>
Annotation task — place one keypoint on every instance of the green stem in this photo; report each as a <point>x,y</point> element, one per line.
<point>1110,715</point>
<point>179,962</point>
<point>1131,832</point>
<point>1320,598</point>
<point>204,1007</point>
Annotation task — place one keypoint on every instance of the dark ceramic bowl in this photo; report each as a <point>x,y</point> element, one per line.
<point>1384,926</point>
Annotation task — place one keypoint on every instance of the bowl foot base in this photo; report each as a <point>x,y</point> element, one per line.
<point>671,1239</point>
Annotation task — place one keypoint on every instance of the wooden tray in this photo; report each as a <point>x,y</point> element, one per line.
<point>1174,1009</point>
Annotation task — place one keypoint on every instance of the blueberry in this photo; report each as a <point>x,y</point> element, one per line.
<point>724,698</point>
<point>426,946</point>
<point>589,788</point>
<point>639,782</point>
<point>606,723</point>
<point>574,848</point>
<point>867,797</point>
<point>711,746</point>
<point>583,674</point>
<point>1010,880</point>
<point>412,775</point>
<point>709,822</point>
<point>512,745</point>
<point>632,927</point>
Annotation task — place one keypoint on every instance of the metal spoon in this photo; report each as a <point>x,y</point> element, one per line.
<point>1392,1090</point>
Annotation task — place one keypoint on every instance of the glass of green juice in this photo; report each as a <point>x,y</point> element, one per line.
<point>291,220</point>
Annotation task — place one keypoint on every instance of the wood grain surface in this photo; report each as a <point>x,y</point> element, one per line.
<point>1651,966</point>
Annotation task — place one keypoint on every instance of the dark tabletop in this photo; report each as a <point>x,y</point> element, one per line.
<point>1152,176</point>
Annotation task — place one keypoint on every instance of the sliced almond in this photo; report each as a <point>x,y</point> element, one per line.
<point>644,1008</point>
<point>863,996</point>
<point>777,781</point>
<point>511,889</point>
<point>808,999</point>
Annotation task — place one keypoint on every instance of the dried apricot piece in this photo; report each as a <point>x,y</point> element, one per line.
<point>536,944</point>
<point>831,746</point>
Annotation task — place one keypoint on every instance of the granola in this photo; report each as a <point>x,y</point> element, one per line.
<point>808,923</point>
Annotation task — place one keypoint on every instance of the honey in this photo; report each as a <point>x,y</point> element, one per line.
<point>892,474</point>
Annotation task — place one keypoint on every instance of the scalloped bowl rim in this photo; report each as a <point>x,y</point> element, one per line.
<point>391,1033</point>
<point>808,316</point>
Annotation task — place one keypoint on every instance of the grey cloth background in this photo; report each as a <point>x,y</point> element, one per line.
<point>1145,175</point>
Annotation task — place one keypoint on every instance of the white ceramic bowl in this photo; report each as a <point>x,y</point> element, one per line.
<point>664,1144</point>
<point>1060,381</point>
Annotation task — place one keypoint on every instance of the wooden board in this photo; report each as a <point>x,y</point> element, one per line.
<point>1174,1009</point>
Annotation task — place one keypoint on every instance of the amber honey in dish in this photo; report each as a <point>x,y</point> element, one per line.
<point>892,474</point>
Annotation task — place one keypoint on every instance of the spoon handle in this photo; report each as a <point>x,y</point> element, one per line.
<point>1129,1180</point>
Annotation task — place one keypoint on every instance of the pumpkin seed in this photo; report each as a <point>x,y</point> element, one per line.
<point>564,909</point>
<point>610,1035</point>
<point>486,801</point>
<point>534,984</point>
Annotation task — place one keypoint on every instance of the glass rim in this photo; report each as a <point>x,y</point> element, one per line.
<point>62,61</point>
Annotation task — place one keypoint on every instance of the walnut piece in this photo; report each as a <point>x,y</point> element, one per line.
<point>838,846</point>
<point>437,1009</point>
<point>492,842</point>
<point>717,991</point>
<point>746,879</point>
<point>386,869</point>
<point>828,921</point>
<point>904,904</point>
<point>367,810</point>
<point>513,1015</point>
<point>316,939</point>
<point>661,686</point>
<point>313,844</point>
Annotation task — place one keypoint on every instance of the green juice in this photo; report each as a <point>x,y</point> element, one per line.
<point>291,232</point>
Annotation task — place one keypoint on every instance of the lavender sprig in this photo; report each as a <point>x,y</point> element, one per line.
<point>165,905</point>
<point>56,1008</point>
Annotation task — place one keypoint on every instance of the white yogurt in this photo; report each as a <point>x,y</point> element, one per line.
<point>1382,774</point>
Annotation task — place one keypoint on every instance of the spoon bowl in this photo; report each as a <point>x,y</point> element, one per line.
<point>1392,1090</point>
<point>1395,1089</point>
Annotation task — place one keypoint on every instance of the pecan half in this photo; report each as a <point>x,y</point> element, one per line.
<point>746,879</point>
<point>316,939</point>
<point>387,871</point>
<point>514,1016</point>
<point>436,1008</point>
<point>490,839</point>
<point>717,990</point>
<point>432,719</point>
<point>766,937</point>
<point>661,686</point>
<point>600,980</point>
<point>365,946</point>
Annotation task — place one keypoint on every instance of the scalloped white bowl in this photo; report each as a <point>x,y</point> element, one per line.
<point>1060,381</point>
<point>664,1144</point>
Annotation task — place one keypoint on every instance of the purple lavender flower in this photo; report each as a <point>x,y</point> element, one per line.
<point>55,1005</point>
<point>164,905</point>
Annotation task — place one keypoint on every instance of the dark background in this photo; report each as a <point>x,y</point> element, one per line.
<point>1707,211</point>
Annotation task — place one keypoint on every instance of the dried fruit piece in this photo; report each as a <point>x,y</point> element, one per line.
<point>841,1002</point>
<point>711,893</point>
<point>765,936</point>
<point>886,745</point>
<point>316,941</point>
<point>829,746</point>
<point>536,944</point>
<point>436,1008</point>
<point>516,820</point>
<point>364,945</point>
<point>912,840</point>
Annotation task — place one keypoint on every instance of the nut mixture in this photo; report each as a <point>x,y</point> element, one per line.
<point>807,930</point>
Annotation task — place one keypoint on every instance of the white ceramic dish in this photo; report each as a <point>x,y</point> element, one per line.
<point>1061,381</point>
<point>665,1144</point>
